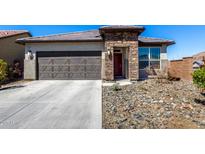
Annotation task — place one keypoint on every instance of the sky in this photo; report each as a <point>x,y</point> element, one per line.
<point>189,40</point>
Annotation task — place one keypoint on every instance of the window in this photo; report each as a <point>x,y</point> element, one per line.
<point>144,54</point>
<point>143,64</point>
<point>155,53</point>
<point>149,57</point>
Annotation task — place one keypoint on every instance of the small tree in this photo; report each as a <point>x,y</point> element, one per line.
<point>3,71</point>
<point>199,78</point>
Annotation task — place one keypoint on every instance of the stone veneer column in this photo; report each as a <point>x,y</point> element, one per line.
<point>133,61</point>
<point>132,46</point>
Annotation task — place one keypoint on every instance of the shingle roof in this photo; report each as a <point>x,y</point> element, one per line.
<point>8,33</point>
<point>155,40</point>
<point>92,35</point>
<point>199,62</point>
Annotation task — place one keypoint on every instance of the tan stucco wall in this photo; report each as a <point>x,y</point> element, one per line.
<point>30,65</point>
<point>163,58</point>
<point>30,69</point>
<point>10,50</point>
<point>67,46</point>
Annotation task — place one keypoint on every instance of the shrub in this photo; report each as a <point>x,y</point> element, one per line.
<point>116,87</point>
<point>199,77</point>
<point>17,71</point>
<point>3,70</point>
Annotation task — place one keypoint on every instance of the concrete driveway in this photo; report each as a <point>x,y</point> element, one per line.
<point>52,104</point>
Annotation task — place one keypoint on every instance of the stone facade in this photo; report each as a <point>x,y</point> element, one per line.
<point>114,41</point>
<point>125,40</point>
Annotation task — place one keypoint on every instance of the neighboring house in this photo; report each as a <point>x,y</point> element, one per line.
<point>9,49</point>
<point>110,53</point>
<point>183,68</point>
<point>198,64</point>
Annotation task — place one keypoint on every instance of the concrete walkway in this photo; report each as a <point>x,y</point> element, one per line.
<point>52,104</point>
<point>122,82</point>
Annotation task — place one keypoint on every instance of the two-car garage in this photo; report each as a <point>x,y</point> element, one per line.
<point>68,65</point>
<point>68,56</point>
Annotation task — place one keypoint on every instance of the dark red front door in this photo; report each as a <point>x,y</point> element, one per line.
<point>117,64</point>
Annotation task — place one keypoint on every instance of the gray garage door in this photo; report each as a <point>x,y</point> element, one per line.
<point>78,65</point>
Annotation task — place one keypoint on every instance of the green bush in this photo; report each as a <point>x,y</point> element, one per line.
<point>116,87</point>
<point>3,70</point>
<point>199,77</point>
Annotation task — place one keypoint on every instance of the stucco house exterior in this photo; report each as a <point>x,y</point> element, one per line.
<point>9,49</point>
<point>109,53</point>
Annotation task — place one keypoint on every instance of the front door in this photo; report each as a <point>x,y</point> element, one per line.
<point>117,64</point>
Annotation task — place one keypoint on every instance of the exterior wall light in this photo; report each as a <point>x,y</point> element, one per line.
<point>109,52</point>
<point>30,55</point>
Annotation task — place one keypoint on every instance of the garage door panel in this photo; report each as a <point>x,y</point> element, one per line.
<point>92,76</point>
<point>60,76</point>
<point>77,60</point>
<point>45,68</point>
<point>77,68</point>
<point>69,65</point>
<point>45,61</point>
<point>93,68</point>
<point>61,68</point>
<point>61,61</point>
<point>93,61</point>
<point>77,76</point>
<point>45,76</point>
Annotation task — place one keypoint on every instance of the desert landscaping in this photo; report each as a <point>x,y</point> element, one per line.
<point>154,103</point>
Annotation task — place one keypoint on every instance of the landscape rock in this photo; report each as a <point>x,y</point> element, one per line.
<point>154,104</point>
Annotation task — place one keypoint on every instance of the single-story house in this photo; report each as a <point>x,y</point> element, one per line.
<point>109,53</point>
<point>9,49</point>
<point>198,64</point>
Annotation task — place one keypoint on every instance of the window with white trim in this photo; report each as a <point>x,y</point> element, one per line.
<point>149,57</point>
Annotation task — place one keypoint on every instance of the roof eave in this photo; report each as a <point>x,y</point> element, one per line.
<point>166,43</point>
<point>171,43</point>
<point>137,30</point>
<point>29,34</point>
<point>53,41</point>
<point>46,41</point>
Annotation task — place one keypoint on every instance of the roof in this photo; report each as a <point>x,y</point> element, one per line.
<point>122,27</point>
<point>153,40</point>
<point>92,35</point>
<point>9,33</point>
<point>198,64</point>
<point>119,28</point>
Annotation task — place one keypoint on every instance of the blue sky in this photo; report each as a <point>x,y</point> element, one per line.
<point>189,39</point>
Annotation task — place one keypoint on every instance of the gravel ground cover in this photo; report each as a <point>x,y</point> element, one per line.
<point>154,104</point>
